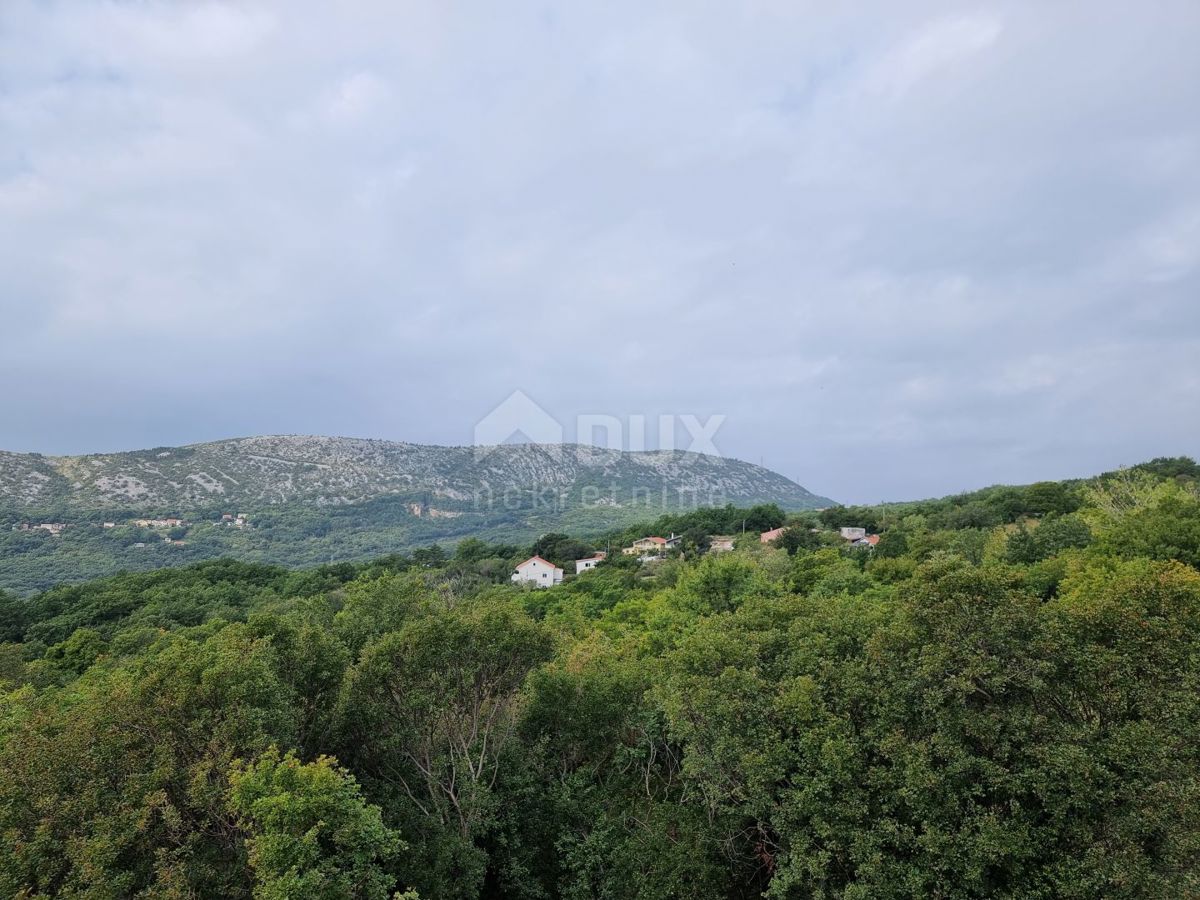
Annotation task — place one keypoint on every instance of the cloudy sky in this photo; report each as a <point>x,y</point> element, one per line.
<point>904,248</point>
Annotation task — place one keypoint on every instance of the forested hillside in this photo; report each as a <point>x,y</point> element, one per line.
<point>301,501</point>
<point>1000,698</point>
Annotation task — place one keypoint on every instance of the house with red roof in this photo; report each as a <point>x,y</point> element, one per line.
<point>649,544</point>
<point>582,565</point>
<point>537,571</point>
<point>773,535</point>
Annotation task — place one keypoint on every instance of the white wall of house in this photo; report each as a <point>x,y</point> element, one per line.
<point>582,565</point>
<point>539,572</point>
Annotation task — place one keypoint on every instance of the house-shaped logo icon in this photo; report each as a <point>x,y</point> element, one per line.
<point>518,419</point>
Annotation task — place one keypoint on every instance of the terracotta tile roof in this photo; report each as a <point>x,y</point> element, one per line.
<point>537,559</point>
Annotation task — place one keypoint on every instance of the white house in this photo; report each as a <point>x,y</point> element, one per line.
<point>538,571</point>
<point>582,565</point>
<point>853,534</point>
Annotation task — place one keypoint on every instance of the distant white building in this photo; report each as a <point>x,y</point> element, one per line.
<point>720,543</point>
<point>582,565</point>
<point>538,571</point>
<point>852,534</point>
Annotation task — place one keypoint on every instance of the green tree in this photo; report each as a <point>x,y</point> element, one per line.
<point>1046,497</point>
<point>560,549</point>
<point>430,713</point>
<point>310,834</point>
<point>696,541</point>
<point>892,543</point>
<point>798,537</point>
<point>13,617</point>
<point>77,653</point>
<point>471,550</point>
<point>115,785</point>
<point>430,557</point>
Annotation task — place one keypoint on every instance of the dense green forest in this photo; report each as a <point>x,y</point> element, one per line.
<point>1000,699</point>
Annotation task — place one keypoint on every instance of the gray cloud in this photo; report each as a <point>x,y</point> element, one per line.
<point>904,248</point>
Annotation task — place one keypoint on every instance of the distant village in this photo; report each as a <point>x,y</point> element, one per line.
<point>232,520</point>
<point>543,573</point>
<point>535,570</point>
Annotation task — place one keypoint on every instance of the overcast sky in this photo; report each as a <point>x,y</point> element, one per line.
<point>904,248</point>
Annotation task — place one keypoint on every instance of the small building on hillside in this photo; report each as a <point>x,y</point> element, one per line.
<point>582,565</point>
<point>720,543</point>
<point>159,523</point>
<point>537,571</point>
<point>869,541</point>
<point>673,541</point>
<point>773,535</point>
<point>852,534</point>
<point>645,545</point>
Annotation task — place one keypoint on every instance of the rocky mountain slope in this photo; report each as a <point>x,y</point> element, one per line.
<point>262,472</point>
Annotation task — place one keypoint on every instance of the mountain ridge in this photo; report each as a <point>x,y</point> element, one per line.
<point>272,470</point>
